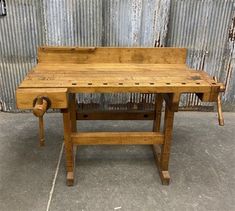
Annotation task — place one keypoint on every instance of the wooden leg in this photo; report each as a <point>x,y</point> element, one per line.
<point>68,147</point>
<point>162,156</point>
<point>73,108</point>
<point>158,113</point>
<point>165,151</point>
<point>73,112</point>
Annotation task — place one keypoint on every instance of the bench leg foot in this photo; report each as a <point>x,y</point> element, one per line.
<point>70,178</point>
<point>164,175</point>
<point>42,142</point>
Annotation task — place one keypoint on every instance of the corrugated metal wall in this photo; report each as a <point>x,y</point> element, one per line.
<point>21,31</point>
<point>202,26</point>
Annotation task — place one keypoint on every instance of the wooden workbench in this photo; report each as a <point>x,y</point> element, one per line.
<point>62,72</point>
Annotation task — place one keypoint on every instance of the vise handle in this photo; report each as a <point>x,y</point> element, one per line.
<point>40,105</point>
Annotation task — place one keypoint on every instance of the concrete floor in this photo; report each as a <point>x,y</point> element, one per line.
<point>118,177</point>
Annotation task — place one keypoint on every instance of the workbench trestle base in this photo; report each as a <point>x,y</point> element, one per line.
<point>157,138</point>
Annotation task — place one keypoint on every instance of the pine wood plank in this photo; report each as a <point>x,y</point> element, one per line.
<point>122,77</point>
<point>111,55</point>
<point>69,151</point>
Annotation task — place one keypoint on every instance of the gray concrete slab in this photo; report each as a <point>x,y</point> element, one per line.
<point>26,170</point>
<point>125,177</point>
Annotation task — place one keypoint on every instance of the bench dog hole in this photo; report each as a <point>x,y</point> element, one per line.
<point>89,83</point>
<point>137,83</point>
<point>74,83</point>
<point>197,83</point>
<point>120,83</point>
<point>168,83</point>
<point>151,83</point>
<point>105,83</point>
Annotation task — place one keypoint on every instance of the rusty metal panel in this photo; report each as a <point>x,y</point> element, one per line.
<point>106,22</point>
<point>29,24</point>
<point>203,27</point>
<point>229,65</point>
<point>20,34</point>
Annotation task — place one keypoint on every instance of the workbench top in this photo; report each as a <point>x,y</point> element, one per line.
<point>116,77</point>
